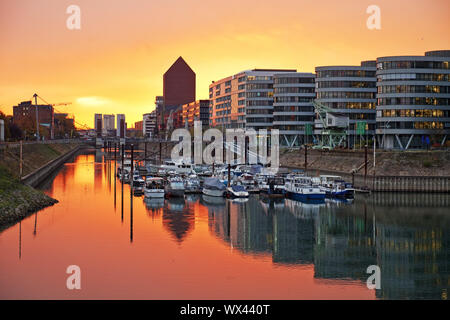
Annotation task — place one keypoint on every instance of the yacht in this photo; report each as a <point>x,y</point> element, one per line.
<point>175,187</point>
<point>303,188</point>
<point>192,184</point>
<point>274,187</point>
<point>237,191</point>
<point>154,187</point>
<point>213,187</point>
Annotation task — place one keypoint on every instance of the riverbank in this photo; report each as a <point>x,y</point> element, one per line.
<point>17,200</point>
<point>388,163</point>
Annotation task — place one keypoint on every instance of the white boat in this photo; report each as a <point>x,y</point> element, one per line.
<point>237,191</point>
<point>138,183</point>
<point>192,184</point>
<point>213,187</point>
<point>154,188</point>
<point>175,187</point>
<point>180,168</point>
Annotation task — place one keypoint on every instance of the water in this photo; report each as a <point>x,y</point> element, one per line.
<point>206,248</point>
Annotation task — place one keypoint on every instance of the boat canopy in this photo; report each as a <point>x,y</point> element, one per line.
<point>238,188</point>
<point>214,184</point>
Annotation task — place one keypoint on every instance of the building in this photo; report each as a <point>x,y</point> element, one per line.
<point>350,91</point>
<point>179,84</point>
<point>108,124</point>
<point>196,111</point>
<point>98,124</point>
<point>64,127</point>
<point>24,116</point>
<point>139,125</point>
<point>149,124</point>
<point>293,110</point>
<point>244,100</point>
<point>413,107</point>
<point>121,126</point>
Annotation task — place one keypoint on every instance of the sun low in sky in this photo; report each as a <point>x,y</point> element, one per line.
<point>115,62</point>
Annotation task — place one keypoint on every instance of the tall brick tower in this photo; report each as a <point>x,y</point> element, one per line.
<point>179,84</point>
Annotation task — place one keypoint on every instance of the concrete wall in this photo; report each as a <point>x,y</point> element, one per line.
<point>36,177</point>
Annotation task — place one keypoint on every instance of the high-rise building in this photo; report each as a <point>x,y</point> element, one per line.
<point>121,126</point>
<point>413,107</point>
<point>293,110</point>
<point>108,123</point>
<point>149,124</point>
<point>179,84</point>
<point>98,123</point>
<point>243,100</point>
<point>350,91</point>
<point>196,111</point>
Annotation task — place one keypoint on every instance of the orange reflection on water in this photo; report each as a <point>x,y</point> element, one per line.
<point>177,249</point>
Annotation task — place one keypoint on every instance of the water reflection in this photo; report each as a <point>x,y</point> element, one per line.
<point>411,246</point>
<point>308,248</point>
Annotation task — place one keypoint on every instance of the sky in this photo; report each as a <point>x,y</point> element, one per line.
<point>116,61</point>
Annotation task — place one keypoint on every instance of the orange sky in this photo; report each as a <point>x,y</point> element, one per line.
<point>115,63</point>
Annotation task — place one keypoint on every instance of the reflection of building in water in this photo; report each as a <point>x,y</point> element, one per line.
<point>178,218</point>
<point>410,199</point>
<point>293,238</point>
<point>344,246</point>
<point>411,245</point>
<point>414,262</point>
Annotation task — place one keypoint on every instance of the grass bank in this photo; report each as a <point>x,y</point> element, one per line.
<point>17,200</point>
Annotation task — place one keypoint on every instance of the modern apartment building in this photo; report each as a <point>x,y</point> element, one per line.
<point>196,111</point>
<point>413,107</point>
<point>349,91</point>
<point>244,100</point>
<point>293,110</point>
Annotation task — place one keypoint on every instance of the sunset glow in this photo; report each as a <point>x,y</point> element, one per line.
<point>115,63</point>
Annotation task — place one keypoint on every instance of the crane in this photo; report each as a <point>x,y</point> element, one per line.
<point>334,127</point>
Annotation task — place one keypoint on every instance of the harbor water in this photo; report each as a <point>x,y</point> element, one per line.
<point>200,247</point>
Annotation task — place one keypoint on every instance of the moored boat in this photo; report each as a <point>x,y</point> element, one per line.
<point>154,187</point>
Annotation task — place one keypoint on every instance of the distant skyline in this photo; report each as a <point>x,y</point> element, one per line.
<point>115,63</point>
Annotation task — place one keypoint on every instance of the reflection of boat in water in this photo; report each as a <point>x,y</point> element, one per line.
<point>212,200</point>
<point>154,203</point>
<point>240,200</point>
<point>304,209</point>
<point>191,198</point>
<point>176,204</point>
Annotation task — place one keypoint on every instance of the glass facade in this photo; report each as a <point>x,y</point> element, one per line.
<point>292,107</point>
<point>413,99</point>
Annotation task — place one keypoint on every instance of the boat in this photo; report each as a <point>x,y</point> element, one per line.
<point>273,188</point>
<point>336,187</point>
<point>237,191</point>
<point>213,187</point>
<point>154,187</point>
<point>247,180</point>
<point>192,184</point>
<point>304,189</point>
<point>174,187</point>
<point>138,184</point>
<point>180,168</point>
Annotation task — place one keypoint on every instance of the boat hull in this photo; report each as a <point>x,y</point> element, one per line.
<point>306,196</point>
<point>157,193</point>
<point>213,193</point>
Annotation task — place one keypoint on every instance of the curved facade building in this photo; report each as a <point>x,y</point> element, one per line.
<point>413,107</point>
<point>292,106</point>
<point>349,91</point>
